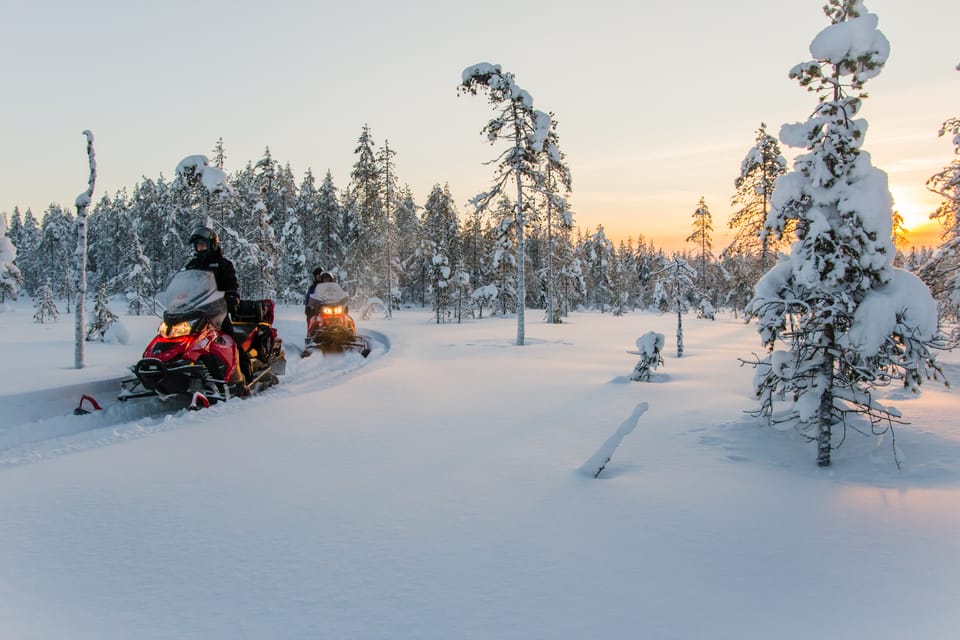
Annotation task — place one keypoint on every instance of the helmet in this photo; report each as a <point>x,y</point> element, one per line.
<point>209,236</point>
<point>317,272</point>
<point>326,276</point>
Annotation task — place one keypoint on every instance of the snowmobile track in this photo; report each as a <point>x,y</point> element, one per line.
<point>42,424</point>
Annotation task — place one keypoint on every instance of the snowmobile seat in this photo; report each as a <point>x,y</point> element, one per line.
<point>254,312</point>
<point>252,326</point>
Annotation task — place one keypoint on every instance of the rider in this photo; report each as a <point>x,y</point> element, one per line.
<point>317,275</point>
<point>208,256</point>
<point>324,288</point>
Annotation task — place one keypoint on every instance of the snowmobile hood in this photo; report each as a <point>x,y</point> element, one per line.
<point>329,293</point>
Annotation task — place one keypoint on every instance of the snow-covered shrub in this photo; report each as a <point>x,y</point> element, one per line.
<point>649,346</point>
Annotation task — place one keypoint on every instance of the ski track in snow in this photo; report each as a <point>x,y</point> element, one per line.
<point>57,433</point>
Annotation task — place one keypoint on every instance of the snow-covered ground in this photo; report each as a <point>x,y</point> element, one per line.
<point>437,490</point>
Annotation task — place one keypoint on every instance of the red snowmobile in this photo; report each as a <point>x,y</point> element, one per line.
<point>190,358</point>
<point>330,329</point>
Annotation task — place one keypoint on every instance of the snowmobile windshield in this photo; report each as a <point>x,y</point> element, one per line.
<point>192,291</point>
<point>329,293</point>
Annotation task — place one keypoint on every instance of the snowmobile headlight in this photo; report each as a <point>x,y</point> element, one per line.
<point>332,310</point>
<point>175,330</point>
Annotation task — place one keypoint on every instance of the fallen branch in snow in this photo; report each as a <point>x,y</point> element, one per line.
<point>599,460</point>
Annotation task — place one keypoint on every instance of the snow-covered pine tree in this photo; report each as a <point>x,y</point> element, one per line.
<point>557,183</point>
<point>703,236</point>
<point>10,278</point>
<point>387,232</point>
<point>192,187</point>
<point>761,167</point>
<point>942,271</point>
<point>526,130</point>
<point>649,348</point>
<point>43,302</point>
<point>673,291</point>
<point>850,320</point>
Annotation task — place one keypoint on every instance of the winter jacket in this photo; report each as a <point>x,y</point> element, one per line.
<point>224,273</point>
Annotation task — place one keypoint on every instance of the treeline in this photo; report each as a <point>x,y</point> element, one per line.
<point>388,250</point>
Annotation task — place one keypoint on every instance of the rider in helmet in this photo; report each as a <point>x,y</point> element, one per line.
<point>208,256</point>
<point>324,286</point>
<point>319,276</point>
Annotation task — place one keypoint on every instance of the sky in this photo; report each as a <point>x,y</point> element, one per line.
<point>657,103</point>
<point>443,488</point>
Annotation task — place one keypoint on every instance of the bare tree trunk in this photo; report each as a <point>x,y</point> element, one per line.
<point>551,315</point>
<point>521,284</point>
<point>83,202</point>
<point>679,319</point>
<point>825,416</point>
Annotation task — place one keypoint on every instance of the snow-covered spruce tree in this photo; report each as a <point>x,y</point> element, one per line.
<point>440,283</point>
<point>407,223</point>
<point>526,130</point>
<point>364,201</point>
<point>622,275</point>
<point>737,276</point>
<point>164,236</point>
<point>649,348</point>
<point>440,230</point>
<point>43,302</point>
<point>571,284</point>
<point>850,321</point>
<point>600,257</point>
<point>673,291</point>
<point>137,280</point>
<point>28,253</point>
<point>55,249</point>
<point>294,274</point>
<point>761,167</point>
<point>388,231</point>
<point>503,262</point>
<point>103,317</point>
<point>477,242</point>
<point>328,249</point>
<point>10,278</point>
<point>942,272</point>
<point>557,183</point>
